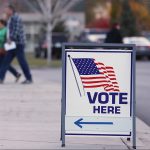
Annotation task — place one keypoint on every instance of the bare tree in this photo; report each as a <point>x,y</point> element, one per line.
<point>52,11</point>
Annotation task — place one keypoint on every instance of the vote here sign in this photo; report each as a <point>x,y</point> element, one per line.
<point>98,92</point>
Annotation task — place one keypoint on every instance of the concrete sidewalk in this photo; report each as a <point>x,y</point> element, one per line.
<point>30,118</point>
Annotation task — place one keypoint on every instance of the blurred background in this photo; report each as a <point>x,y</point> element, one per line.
<point>49,23</point>
<point>25,110</point>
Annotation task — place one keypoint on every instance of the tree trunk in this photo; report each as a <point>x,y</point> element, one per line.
<point>49,33</point>
<point>49,42</point>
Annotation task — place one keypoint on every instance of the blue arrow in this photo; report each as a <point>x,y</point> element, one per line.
<point>80,122</point>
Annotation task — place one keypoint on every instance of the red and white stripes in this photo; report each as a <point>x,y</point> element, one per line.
<point>106,79</point>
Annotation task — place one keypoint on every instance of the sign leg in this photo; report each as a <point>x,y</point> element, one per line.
<point>63,106</point>
<point>134,99</point>
<point>61,123</point>
<point>63,132</point>
<point>134,147</point>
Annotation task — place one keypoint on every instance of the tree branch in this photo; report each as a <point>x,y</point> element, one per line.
<point>30,5</point>
<point>56,21</point>
<point>43,7</point>
<point>57,6</point>
<point>65,9</point>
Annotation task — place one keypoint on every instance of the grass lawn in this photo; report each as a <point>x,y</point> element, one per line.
<point>39,63</point>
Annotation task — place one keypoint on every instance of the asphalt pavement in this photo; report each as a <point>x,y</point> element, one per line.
<point>143,90</point>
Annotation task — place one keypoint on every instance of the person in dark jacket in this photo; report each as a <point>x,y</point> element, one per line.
<point>15,33</point>
<point>114,35</point>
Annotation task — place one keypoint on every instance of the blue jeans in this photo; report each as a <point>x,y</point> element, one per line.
<point>10,69</point>
<point>19,53</point>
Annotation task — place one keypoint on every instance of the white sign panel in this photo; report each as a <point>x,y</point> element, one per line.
<point>98,92</point>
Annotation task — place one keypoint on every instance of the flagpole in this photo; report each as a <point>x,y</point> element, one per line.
<point>74,74</point>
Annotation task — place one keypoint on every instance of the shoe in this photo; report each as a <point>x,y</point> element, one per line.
<point>1,81</point>
<point>27,82</point>
<point>18,77</point>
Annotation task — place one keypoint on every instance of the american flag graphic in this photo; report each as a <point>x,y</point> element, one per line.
<point>95,74</point>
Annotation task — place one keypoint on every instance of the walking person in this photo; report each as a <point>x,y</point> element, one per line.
<point>3,32</point>
<point>114,35</point>
<point>15,34</point>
